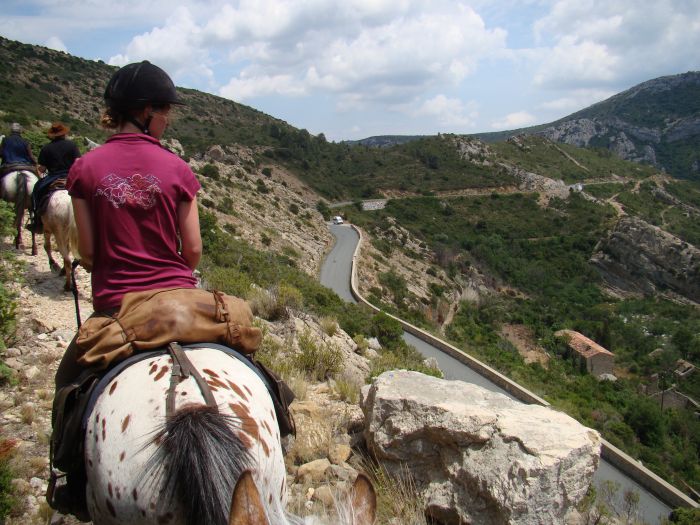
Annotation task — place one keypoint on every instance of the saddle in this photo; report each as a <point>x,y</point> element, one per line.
<point>153,318</point>
<point>9,168</point>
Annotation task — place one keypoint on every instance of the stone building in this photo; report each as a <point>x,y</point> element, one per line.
<point>594,358</point>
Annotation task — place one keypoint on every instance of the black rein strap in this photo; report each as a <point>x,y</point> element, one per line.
<point>74,289</point>
<point>182,369</point>
<point>182,366</point>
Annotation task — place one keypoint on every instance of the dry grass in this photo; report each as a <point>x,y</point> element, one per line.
<point>298,383</point>
<point>346,389</point>
<point>329,325</point>
<point>28,413</point>
<point>313,440</point>
<point>276,303</point>
<point>398,500</point>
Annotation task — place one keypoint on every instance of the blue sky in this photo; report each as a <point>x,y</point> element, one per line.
<point>355,68</point>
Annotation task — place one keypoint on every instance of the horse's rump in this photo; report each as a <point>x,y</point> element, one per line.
<point>143,468</point>
<point>58,219</point>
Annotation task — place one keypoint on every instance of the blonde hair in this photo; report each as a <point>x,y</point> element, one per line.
<point>111,119</point>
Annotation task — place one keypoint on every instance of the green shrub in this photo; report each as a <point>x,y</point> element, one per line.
<point>320,361</point>
<point>323,209</point>
<point>211,171</point>
<point>362,344</point>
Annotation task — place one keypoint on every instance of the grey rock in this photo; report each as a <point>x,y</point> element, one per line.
<point>477,456</point>
<point>638,258</point>
<point>12,352</point>
<point>14,363</point>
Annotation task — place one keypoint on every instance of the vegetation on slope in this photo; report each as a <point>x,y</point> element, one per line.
<point>539,257</point>
<point>7,333</point>
<point>233,266</point>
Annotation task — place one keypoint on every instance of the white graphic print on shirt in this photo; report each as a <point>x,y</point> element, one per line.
<point>136,190</point>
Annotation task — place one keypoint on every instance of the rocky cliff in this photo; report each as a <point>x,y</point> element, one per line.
<point>656,122</point>
<point>639,258</point>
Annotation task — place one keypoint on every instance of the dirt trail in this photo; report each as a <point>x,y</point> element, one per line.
<point>46,323</point>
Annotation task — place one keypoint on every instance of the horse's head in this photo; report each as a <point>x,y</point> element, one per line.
<point>248,508</point>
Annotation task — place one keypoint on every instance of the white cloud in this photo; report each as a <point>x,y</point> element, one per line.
<point>56,43</point>
<point>451,113</point>
<point>176,47</point>
<point>515,120</point>
<point>609,43</point>
<point>575,100</point>
<point>362,51</point>
<point>245,88</point>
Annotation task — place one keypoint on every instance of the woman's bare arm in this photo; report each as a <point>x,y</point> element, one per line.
<point>86,242</point>
<point>188,222</point>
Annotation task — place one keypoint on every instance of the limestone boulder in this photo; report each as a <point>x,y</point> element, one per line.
<point>477,456</point>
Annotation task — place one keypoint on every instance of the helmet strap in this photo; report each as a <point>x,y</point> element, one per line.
<point>143,127</point>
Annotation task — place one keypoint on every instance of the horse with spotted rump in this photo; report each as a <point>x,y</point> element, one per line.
<point>145,467</point>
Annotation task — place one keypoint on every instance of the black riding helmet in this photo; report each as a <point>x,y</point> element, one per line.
<point>136,85</point>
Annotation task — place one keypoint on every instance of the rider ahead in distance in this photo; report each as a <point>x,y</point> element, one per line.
<point>136,211</point>
<point>56,158</point>
<point>16,152</point>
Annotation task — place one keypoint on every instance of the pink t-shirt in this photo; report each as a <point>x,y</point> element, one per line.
<point>133,186</point>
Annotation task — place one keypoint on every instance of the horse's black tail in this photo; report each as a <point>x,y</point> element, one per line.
<point>201,459</point>
<point>21,198</point>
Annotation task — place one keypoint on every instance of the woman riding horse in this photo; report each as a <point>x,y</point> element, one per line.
<point>136,211</point>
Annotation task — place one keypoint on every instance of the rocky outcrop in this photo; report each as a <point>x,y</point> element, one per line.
<point>473,150</point>
<point>653,122</point>
<point>530,182</point>
<point>638,257</point>
<point>478,456</point>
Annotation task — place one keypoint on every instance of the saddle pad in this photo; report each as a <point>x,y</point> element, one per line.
<point>140,356</point>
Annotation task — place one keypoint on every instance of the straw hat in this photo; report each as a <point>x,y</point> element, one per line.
<point>57,129</point>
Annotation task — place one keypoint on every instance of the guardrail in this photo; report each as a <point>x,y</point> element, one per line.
<point>660,488</point>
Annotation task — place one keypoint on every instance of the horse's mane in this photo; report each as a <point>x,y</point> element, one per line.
<point>203,458</point>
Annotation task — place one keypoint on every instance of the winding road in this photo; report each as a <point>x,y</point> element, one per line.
<point>335,274</point>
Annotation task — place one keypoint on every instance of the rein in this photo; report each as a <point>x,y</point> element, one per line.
<point>182,369</point>
<point>74,289</point>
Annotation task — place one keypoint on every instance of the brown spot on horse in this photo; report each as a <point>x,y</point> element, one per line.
<point>112,388</point>
<point>125,422</point>
<point>237,390</point>
<point>159,375</point>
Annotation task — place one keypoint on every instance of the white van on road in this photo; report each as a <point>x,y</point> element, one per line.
<point>337,219</point>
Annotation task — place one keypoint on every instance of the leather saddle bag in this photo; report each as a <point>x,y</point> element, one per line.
<point>151,319</point>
